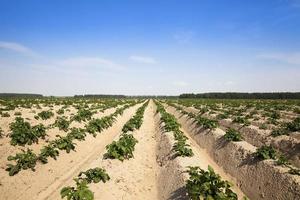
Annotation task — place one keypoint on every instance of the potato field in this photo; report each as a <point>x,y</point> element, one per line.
<point>139,149</point>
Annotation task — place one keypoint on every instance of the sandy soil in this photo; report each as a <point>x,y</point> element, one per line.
<point>135,178</point>
<point>200,158</point>
<point>6,149</point>
<point>152,174</point>
<point>48,178</point>
<point>257,179</point>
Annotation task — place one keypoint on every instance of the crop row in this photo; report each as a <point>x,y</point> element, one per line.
<point>121,149</point>
<point>201,184</point>
<point>232,135</point>
<point>28,159</point>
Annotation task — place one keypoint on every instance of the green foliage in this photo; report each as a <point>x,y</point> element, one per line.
<point>171,125</point>
<point>182,149</point>
<point>233,135</point>
<point>286,128</point>
<point>136,121</point>
<point>263,127</point>
<point>23,133</point>
<point>94,175</point>
<point>294,125</point>
<point>24,160</point>
<point>98,125</point>
<point>44,115</point>
<point>275,115</point>
<point>48,151</point>
<point>282,160</point>
<point>206,123</point>
<point>39,130</point>
<point>81,192</point>
<point>77,133</point>
<point>266,152</point>
<point>241,120</point>
<point>279,131</point>
<point>64,143</point>
<point>121,149</point>
<point>83,115</point>
<point>223,116</point>
<point>62,123</point>
<point>60,111</point>
<point>208,185</point>
<point>273,121</point>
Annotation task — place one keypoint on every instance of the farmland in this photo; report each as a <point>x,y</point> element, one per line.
<point>123,148</point>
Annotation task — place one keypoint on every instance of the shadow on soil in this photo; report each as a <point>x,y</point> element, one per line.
<point>179,194</point>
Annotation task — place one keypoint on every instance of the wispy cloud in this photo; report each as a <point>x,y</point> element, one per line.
<point>290,58</point>
<point>184,36</point>
<point>143,59</point>
<point>16,47</point>
<point>180,83</point>
<point>92,62</point>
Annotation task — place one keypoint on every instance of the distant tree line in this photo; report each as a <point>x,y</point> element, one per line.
<point>20,95</point>
<point>99,96</point>
<point>242,95</point>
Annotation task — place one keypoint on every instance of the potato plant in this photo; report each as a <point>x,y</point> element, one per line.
<point>23,133</point>
<point>94,175</point>
<point>208,185</point>
<point>44,115</point>
<point>206,123</point>
<point>121,149</point>
<point>241,120</point>
<point>266,152</point>
<point>136,121</point>
<point>77,133</point>
<point>62,123</point>
<point>182,149</point>
<point>83,115</point>
<point>64,143</point>
<point>233,135</point>
<point>80,192</point>
<point>98,125</point>
<point>25,160</point>
<point>171,125</point>
<point>48,151</point>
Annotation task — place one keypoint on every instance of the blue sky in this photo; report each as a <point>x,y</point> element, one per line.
<point>149,47</point>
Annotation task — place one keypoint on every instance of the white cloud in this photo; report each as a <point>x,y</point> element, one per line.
<point>180,83</point>
<point>17,48</point>
<point>143,59</point>
<point>290,58</point>
<point>84,62</point>
<point>184,36</point>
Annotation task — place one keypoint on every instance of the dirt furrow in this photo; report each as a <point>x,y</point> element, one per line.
<point>135,178</point>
